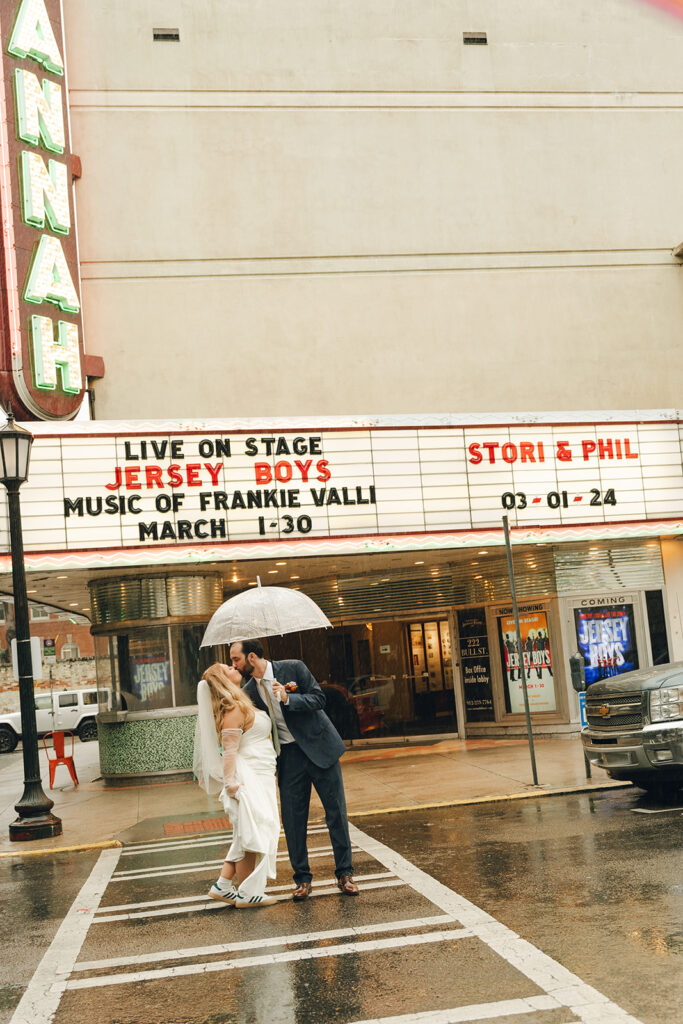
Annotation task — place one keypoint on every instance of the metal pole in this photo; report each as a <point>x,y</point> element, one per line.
<point>35,820</point>
<point>522,672</point>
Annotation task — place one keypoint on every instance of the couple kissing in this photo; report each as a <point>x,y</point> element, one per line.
<point>275,725</point>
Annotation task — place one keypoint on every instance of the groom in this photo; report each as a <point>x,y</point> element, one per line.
<point>308,748</point>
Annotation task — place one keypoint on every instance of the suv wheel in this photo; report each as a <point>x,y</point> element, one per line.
<point>663,790</point>
<point>87,730</point>
<point>8,739</point>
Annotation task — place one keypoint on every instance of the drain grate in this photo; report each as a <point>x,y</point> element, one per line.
<point>181,828</point>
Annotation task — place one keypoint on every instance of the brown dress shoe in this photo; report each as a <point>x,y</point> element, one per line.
<point>347,885</point>
<point>302,892</point>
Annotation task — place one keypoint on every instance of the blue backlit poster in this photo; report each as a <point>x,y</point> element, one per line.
<point>607,640</point>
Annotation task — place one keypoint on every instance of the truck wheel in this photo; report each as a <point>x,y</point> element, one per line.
<point>8,739</point>
<point>664,790</point>
<point>87,730</point>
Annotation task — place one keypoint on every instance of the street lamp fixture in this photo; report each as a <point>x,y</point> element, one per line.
<point>35,819</point>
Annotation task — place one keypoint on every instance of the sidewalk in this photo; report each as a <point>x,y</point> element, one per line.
<point>391,779</point>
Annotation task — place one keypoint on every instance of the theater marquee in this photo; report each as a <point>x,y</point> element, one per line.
<point>41,344</point>
<point>120,488</point>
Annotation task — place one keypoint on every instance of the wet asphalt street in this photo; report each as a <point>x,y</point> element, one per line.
<point>541,911</point>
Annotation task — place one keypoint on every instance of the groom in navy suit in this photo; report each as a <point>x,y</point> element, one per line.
<point>308,749</point>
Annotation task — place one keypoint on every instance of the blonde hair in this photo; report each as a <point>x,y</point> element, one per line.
<point>226,695</point>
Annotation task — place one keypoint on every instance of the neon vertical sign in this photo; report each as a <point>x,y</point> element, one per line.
<point>41,344</point>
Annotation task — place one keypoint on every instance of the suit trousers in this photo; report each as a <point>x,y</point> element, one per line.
<point>296,773</point>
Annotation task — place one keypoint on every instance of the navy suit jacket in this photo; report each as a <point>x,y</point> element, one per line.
<point>304,713</point>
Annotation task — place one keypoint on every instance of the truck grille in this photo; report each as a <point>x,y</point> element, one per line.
<point>625,712</point>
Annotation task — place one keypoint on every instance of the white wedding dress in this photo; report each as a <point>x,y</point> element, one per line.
<point>254,811</point>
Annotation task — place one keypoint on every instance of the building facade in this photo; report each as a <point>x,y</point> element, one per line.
<point>301,237</point>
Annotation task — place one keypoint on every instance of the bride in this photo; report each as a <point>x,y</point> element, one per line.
<point>246,773</point>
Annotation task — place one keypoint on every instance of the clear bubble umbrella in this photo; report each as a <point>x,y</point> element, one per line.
<point>263,611</point>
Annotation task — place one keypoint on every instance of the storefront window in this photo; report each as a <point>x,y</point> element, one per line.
<point>368,674</point>
<point>607,640</point>
<point>538,667</point>
<point>151,668</point>
<point>189,662</point>
<point>657,624</point>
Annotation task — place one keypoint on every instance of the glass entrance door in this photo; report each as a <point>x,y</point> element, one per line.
<point>430,677</point>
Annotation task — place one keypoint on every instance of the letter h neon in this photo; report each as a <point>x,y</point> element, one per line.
<point>50,353</point>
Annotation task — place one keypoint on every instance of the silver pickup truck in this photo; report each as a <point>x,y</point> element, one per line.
<point>635,727</point>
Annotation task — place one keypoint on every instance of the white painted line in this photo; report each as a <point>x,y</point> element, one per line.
<point>273,940</point>
<point>198,865</point>
<point>372,946</point>
<point>585,1002</point>
<point>201,897</point>
<point>40,1001</point>
<point>660,810</point>
<point>161,845</point>
<point>217,838</point>
<point>476,1011</point>
<point>215,905</point>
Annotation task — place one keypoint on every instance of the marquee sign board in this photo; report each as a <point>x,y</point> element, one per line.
<point>131,490</point>
<point>41,343</point>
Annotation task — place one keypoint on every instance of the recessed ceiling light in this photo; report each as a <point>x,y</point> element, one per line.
<point>73,604</point>
<point>482,552</point>
<point>474,563</point>
<point>295,577</point>
<point>253,584</point>
<point>272,572</point>
<point>62,577</point>
<point>31,591</point>
<point>478,577</point>
<point>235,579</point>
<point>281,563</point>
<point>418,563</point>
<point>385,580</point>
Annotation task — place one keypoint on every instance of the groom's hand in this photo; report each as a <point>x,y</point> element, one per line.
<point>280,693</point>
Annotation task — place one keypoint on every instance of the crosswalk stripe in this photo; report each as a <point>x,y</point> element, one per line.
<point>273,940</point>
<point>289,956</point>
<point>162,845</point>
<point>214,905</point>
<point>201,865</point>
<point>476,1011</point>
<point>200,897</point>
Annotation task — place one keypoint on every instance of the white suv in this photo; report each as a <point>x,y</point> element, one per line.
<point>73,710</point>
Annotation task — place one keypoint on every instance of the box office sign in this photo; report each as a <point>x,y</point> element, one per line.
<point>128,489</point>
<point>475,662</point>
<point>41,352</point>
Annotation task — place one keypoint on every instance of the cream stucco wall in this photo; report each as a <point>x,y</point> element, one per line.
<point>347,204</point>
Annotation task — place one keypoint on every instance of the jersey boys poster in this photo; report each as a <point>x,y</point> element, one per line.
<point>537,662</point>
<point>606,638</point>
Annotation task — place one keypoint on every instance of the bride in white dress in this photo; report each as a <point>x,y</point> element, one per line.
<point>243,768</point>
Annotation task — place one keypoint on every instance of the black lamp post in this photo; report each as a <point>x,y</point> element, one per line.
<point>35,820</point>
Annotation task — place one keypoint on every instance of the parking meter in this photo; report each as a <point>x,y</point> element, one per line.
<point>578,671</point>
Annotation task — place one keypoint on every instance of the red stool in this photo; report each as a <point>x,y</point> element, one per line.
<point>60,757</point>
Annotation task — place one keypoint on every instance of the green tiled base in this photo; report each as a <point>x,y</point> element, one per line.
<point>146,746</point>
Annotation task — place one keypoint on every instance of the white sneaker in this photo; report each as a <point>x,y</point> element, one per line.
<point>224,895</point>
<point>250,902</point>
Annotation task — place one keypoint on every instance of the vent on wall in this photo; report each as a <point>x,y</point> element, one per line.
<point>474,39</point>
<point>166,35</point>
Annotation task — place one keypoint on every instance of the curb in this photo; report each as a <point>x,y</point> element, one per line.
<point>106,844</point>
<point>526,795</point>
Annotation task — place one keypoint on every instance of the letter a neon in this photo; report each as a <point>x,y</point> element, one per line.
<point>49,279</point>
<point>50,353</point>
<point>32,36</point>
